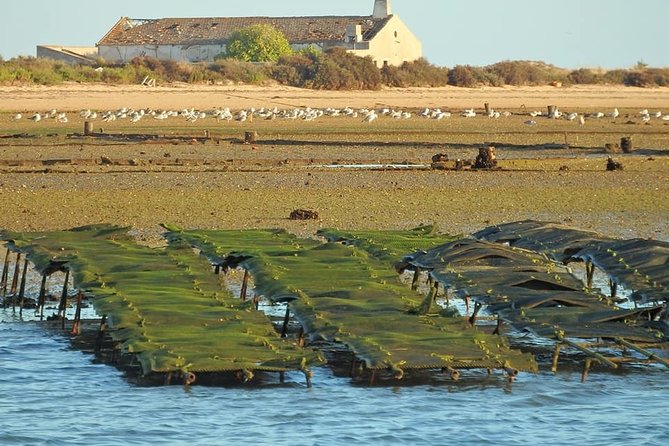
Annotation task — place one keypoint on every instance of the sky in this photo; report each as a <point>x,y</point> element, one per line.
<point>566,33</point>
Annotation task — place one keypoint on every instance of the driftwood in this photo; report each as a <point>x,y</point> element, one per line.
<point>303,214</point>
<point>486,158</point>
<point>626,144</point>
<point>612,165</point>
<point>612,147</point>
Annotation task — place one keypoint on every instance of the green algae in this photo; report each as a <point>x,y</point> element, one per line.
<point>343,294</point>
<point>164,305</point>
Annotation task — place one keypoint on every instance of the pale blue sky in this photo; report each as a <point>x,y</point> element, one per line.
<point>567,33</point>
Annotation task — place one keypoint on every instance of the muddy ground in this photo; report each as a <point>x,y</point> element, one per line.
<point>554,170</point>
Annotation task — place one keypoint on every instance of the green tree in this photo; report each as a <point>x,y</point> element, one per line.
<point>258,43</point>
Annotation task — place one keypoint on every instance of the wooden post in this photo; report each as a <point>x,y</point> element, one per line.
<point>22,288</point>
<point>250,137</point>
<point>586,369</point>
<point>556,356</point>
<point>101,335</point>
<point>498,328</point>
<point>88,128</point>
<point>5,273</point>
<point>488,109</point>
<point>63,299</point>
<point>614,289</point>
<point>245,283</point>
<point>77,316</point>
<point>551,110</point>
<point>15,279</point>
<point>286,320</point>
<point>414,282</point>
<point>474,316</point>
<point>626,144</point>
<point>590,272</point>
<point>42,298</point>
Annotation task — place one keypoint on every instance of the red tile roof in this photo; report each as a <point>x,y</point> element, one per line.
<point>198,31</point>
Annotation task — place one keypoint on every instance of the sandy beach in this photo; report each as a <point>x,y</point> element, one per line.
<point>75,97</point>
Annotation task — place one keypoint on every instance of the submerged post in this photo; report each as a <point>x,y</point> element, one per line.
<point>22,288</point>
<point>590,272</point>
<point>63,299</point>
<point>556,357</point>
<point>101,335</point>
<point>414,282</point>
<point>77,316</point>
<point>286,320</point>
<point>42,298</point>
<point>245,284</point>
<point>15,279</point>
<point>5,272</point>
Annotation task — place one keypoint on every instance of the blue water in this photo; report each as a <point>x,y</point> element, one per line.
<point>51,394</point>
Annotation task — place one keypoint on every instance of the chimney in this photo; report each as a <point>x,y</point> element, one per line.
<point>381,9</point>
<point>354,33</point>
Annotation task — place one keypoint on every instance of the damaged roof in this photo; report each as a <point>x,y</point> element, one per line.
<point>209,30</point>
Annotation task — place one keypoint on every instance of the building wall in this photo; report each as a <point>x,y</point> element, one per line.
<point>393,45</point>
<point>74,55</point>
<point>192,53</point>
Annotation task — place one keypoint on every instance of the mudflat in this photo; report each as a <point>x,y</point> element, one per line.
<point>356,175</point>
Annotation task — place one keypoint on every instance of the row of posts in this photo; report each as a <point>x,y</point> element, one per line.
<point>19,299</point>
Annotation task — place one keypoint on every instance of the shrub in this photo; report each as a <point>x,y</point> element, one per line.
<point>258,43</point>
<point>584,76</point>
<point>462,76</point>
<point>639,79</point>
<point>419,73</point>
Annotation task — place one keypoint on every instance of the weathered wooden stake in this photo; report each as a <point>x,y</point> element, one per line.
<point>626,144</point>
<point>590,272</point>
<point>101,335</point>
<point>586,369</point>
<point>487,107</point>
<point>22,288</point>
<point>614,289</point>
<point>556,356</point>
<point>63,299</point>
<point>286,320</point>
<point>498,328</point>
<point>245,284</point>
<point>475,314</point>
<point>41,301</point>
<point>416,276</point>
<point>300,338</point>
<point>88,128</point>
<point>77,316</point>
<point>250,137</point>
<point>5,273</point>
<point>15,279</point>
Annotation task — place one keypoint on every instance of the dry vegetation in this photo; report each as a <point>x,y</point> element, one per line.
<point>334,69</point>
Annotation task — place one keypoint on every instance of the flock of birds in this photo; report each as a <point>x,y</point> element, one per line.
<point>310,114</point>
<point>644,115</point>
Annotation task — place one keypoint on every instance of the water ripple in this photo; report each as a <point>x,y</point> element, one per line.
<point>53,395</point>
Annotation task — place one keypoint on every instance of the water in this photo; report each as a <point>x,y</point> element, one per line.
<point>51,394</point>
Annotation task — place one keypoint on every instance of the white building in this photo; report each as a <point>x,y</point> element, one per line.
<point>382,36</point>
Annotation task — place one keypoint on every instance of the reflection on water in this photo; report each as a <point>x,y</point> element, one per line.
<point>53,395</point>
